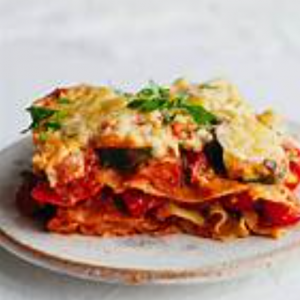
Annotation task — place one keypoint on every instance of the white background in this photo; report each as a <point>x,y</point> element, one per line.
<point>45,44</point>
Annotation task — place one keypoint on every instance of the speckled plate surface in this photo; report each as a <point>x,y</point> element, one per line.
<point>141,259</point>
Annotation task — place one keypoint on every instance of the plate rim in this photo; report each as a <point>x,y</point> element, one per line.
<point>131,276</point>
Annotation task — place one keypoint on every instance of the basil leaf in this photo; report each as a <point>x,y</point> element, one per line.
<point>38,114</point>
<point>137,103</point>
<point>151,98</point>
<point>155,97</point>
<point>147,92</point>
<point>200,114</point>
<point>155,104</point>
<point>53,126</point>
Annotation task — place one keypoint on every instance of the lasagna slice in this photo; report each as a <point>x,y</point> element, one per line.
<point>192,158</point>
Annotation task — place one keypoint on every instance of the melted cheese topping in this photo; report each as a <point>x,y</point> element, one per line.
<point>99,116</point>
<point>218,96</point>
<point>251,150</point>
<point>250,140</point>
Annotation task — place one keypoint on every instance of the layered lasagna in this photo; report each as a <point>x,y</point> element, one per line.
<point>188,158</point>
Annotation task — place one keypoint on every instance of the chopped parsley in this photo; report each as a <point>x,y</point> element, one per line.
<point>155,97</point>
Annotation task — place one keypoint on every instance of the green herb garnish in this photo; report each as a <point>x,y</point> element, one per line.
<point>46,118</point>
<point>155,97</point>
<point>148,105</point>
<point>38,114</point>
<point>200,114</point>
<point>151,98</point>
<point>52,126</point>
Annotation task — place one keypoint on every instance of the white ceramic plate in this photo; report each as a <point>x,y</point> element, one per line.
<point>141,259</point>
